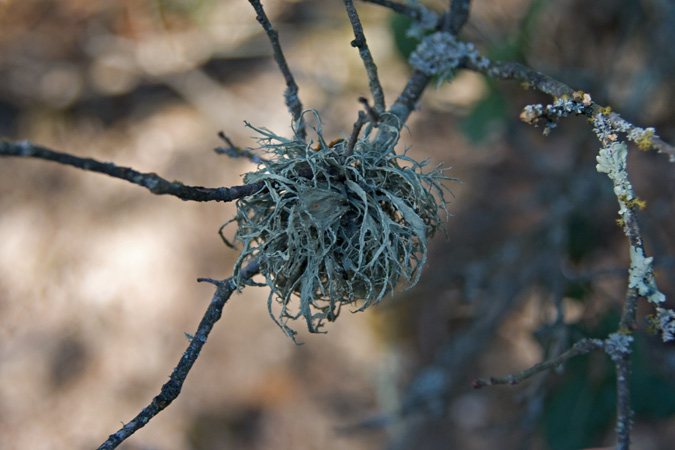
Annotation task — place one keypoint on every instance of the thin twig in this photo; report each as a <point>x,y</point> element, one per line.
<point>373,115</point>
<point>291,94</point>
<point>151,181</point>
<point>358,125</point>
<point>580,348</point>
<point>172,388</point>
<point>371,69</point>
<point>234,151</point>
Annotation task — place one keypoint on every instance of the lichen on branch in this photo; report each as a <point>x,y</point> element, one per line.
<point>440,54</point>
<point>336,228</point>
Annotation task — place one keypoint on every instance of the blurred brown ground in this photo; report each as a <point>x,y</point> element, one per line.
<point>97,277</point>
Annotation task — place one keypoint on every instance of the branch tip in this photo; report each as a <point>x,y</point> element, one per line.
<point>210,280</point>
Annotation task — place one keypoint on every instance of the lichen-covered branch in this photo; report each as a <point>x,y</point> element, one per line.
<point>172,388</point>
<point>439,54</point>
<point>371,69</point>
<point>151,181</point>
<point>610,128</point>
<point>530,78</point>
<point>612,161</point>
<point>291,93</point>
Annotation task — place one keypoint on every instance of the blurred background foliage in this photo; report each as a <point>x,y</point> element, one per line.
<point>97,276</point>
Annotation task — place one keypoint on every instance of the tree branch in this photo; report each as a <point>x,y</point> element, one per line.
<point>172,388</point>
<point>406,102</point>
<point>291,93</point>
<point>151,181</point>
<point>515,71</point>
<point>364,51</point>
<point>530,78</point>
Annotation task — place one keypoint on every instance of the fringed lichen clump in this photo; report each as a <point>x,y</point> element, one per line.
<point>335,227</point>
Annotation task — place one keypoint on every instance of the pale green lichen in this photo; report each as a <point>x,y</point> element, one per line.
<point>335,227</point>
<point>641,276</point>
<point>612,161</point>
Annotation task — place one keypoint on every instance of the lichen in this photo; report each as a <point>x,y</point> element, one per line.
<point>426,21</point>
<point>612,161</point>
<point>608,125</point>
<point>641,276</point>
<point>642,137</point>
<point>617,345</point>
<point>333,227</point>
<point>549,115</point>
<point>440,53</point>
<point>665,322</point>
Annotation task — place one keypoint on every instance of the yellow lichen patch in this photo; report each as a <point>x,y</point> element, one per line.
<point>636,202</point>
<point>644,141</point>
